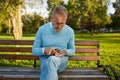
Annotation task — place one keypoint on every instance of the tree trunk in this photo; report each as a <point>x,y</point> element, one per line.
<point>10,27</point>
<point>19,25</point>
<point>16,23</point>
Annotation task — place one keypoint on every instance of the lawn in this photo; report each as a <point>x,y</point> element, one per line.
<point>109,48</point>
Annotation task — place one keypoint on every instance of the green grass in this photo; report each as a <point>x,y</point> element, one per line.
<point>109,49</point>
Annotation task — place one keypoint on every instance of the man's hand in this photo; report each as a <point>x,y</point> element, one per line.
<point>51,51</point>
<point>61,53</point>
<point>56,52</point>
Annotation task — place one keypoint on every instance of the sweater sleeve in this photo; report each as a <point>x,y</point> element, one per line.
<point>71,46</point>
<point>37,48</point>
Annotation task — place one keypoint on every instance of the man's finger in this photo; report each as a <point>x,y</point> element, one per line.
<point>54,51</point>
<point>59,55</point>
<point>50,51</point>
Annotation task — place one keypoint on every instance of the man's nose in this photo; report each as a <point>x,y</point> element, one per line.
<point>59,26</point>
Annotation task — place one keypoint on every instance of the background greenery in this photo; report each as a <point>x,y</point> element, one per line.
<point>109,50</point>
<point>82,14</point>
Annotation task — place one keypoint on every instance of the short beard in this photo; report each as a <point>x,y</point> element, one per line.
<point>58,30</point>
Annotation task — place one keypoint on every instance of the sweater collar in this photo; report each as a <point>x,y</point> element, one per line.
<point>51,27</point>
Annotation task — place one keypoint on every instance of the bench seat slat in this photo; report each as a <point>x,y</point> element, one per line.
<point>86,43</point>
<point>30,42</point>
<point>37,69</point>
<point>28,49</point>
<point>65,73</point>
<point>18,57</point>
<point>16,42</point>
<point>67,76</point>
<point>15,49</point>
<point>31,57</point>
<point>87,50</point>
<point>84,77</point>
<point>85,58</point>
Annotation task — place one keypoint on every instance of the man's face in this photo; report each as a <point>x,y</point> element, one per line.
<point>58,22</point>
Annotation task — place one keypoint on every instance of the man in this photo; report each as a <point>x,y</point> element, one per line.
<point>54,43</point>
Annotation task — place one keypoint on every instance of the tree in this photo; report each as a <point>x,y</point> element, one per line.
<point>52,4</point>
<point>94,14</point>
<point>71,8</point>
<point>31,23</point>
<point>73,13</point>
<point>87,14</point>
<point>11,10</point>
<point>116,5</point>
<point>116,16</point>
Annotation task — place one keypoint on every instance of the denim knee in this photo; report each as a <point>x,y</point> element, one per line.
<point>53,61</point>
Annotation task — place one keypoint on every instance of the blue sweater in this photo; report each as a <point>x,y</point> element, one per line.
<point>47,37</point>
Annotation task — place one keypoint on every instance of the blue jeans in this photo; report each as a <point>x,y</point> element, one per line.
<point>51,65</point>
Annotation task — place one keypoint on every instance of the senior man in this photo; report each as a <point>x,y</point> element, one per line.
<point>54,43</point>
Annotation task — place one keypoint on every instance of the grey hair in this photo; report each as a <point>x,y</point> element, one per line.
<point>60,10</point>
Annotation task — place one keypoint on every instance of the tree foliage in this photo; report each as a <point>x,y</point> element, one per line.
<point>11,12</point>
<point>52,4</point>
<point>116,5</point>
<point>87,14</point>
<point>82,14</point>
<point>73,13</point>
<point>115,17</point>
<point>31,23</point>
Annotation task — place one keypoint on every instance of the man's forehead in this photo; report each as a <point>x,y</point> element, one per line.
<point>59,17</point>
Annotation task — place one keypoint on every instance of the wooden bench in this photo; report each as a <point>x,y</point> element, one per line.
<point>26,73</point>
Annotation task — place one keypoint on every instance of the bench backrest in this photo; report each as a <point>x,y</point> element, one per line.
<point>82,46</point>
